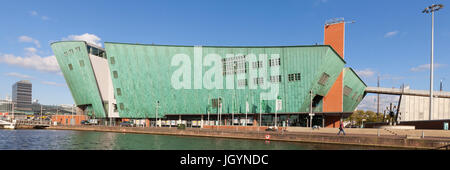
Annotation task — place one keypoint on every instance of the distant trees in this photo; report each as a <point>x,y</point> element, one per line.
<point>369,116</point>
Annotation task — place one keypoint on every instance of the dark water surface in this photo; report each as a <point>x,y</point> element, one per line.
<point>85,140</point>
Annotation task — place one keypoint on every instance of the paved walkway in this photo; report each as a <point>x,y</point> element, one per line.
<point>381,132</point>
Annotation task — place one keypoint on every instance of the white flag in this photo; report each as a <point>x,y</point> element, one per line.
<point>247,108</point>
<point>278,106</point>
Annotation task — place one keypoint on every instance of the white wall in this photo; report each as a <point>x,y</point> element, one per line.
<point>104,81</point>
<point>414,108</point>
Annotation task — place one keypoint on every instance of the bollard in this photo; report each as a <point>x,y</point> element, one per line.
<point>423,134</point>
<point>378,132</point>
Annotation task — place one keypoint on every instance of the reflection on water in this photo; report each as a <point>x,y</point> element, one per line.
<point>86,140</point>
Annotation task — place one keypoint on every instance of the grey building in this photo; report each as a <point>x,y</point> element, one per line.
<point>21,95</point>
<point>5,106</point>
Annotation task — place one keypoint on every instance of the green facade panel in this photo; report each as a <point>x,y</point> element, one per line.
<point>354,96</point>
<point>141,76</point>
<point>73,59</point>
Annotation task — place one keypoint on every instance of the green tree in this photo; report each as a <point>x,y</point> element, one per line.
<point>369,116</point>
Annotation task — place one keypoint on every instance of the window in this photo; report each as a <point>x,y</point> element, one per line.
<point>242,82</point>
<point>258,80</point>
<point>81,63</point>
<point>115,74</point>
<point>275,79</point>
<point>291,77</point>
<point>257,64</point>
<point>234,65</point>
<point>215,102</point>
<point>297,76</point>
<point>323,79</point>
<point>121,106</point>
<point>119,92</point>
<point>294,77</point>
<point>89,49</point>
<point>70,67</point>
<point>96,51</point>
<point>274,62</point>
<point>112,60</point>
<point>347,90</point>
<point>102,54</point>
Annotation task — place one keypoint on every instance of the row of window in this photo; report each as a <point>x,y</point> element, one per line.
<point>242,82</point>
<point>234,65</point>
<point>257,64</point>
<point>291,77</point>
<point>274,62</point>
<point>294,77</point>
<point>81,64</point>
<point>96,51</point>
<point>275,79</point>
<point>215,102</point>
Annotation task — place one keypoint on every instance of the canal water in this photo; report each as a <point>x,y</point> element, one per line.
<point>87,140</point>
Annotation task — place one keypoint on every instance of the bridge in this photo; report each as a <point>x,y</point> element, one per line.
<point>413,106</point>
<point>405,91</point>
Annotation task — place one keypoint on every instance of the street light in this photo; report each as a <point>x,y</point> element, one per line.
<point>427,10</point>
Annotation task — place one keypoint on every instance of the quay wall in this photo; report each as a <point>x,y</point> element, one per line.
<point>364,140</point>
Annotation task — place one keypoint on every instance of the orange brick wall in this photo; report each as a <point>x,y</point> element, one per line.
<point>61,119</point>
<point>334,35</point>
<point>333,101</point>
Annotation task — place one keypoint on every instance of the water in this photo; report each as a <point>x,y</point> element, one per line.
<point>87,140</point>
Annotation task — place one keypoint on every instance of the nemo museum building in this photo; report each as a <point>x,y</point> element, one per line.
<point>200,86</point>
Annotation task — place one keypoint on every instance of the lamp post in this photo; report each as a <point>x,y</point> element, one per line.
<point>156,115</point>
<point>432,8</point>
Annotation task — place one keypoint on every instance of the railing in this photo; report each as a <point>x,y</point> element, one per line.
<point>33,122</point>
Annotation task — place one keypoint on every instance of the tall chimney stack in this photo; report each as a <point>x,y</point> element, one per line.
<point>334,35</point>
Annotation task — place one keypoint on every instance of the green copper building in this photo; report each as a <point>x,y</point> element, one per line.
<point>225,85</point>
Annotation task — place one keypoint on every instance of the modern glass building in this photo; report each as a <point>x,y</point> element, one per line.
<point>261,85</point>
<point>21,95</point>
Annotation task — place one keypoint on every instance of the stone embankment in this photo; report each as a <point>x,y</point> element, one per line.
<point>326,136</point>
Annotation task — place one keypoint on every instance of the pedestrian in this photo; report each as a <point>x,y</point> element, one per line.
<point>341,128</point>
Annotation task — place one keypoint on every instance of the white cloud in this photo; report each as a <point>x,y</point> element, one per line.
<point>33,13</point>
<point>390,34</point>
<point>22,76</point>
<point>32,61</point>
<point>90,38</point>
<point>424,67</point>
<point>45,18</point>
<point>53,83</point>
<point>30,50</point>
<point>370,102</point>
<point>318,2</point>
<point>27,39</point>
<point>366,73</point>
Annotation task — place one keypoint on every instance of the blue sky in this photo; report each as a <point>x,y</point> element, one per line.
<point>389,38</point>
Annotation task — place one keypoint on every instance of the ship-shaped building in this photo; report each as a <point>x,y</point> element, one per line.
<point>302,85</point>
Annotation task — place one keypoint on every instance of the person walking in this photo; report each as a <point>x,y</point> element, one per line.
<point>341,128</point>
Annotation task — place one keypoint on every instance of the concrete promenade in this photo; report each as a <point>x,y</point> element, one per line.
<point>363,137</point>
